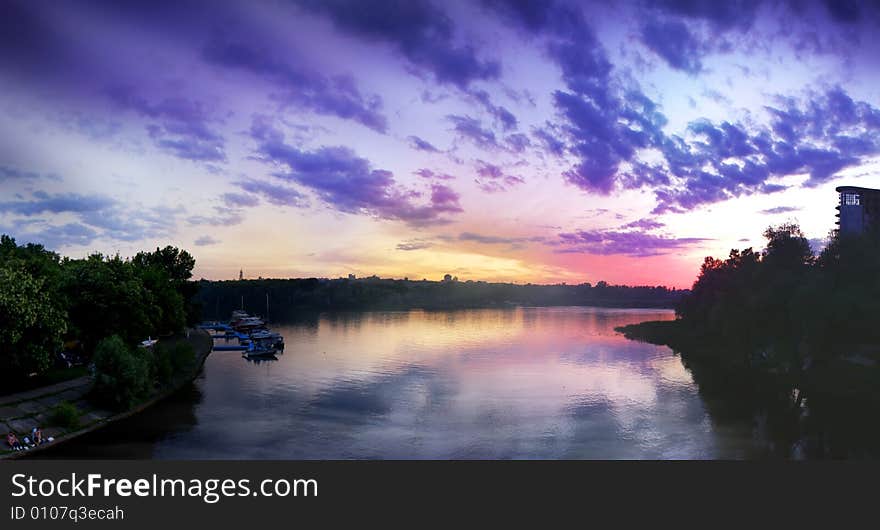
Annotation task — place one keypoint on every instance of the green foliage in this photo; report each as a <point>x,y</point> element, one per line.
<point>45,299</point>
<point>174,269</point>
<point>183,356</point>
<point>65,415</point>
<point>108,297</point>
<point>785,303</point>
<point>122,375</point>
<point>31,321</point>
<point>167,361</point>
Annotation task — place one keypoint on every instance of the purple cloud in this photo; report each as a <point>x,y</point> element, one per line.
<point>613,242</point>
<point>274,194</point>
<point>819,137</point>
<point>471,129</point>
<point>428,174</point>
<point>549,139</point>
<point>492,178</point>
<point>721,15</point>
<point>102,217</point>
<point>418,30</point>
<point>644,224</point>
<point>240,200</point>
<point>674,43</point>
<point>517,142</point>
<point>180,126</point>
<point>57,203</point>
<point>349,183</point>
<point>335,96</point>
<point>422,145</point>
<point>503,116</point>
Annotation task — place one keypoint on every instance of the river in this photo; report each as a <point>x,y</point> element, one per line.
<point>521,383</point>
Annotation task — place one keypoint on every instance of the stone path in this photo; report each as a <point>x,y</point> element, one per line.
<point>23,411</point>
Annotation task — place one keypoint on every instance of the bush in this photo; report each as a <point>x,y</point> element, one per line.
<point>122,376</point>
<point>65,415</point>
<point>183,357</point>
<point>163,367</point>
<point>169,361</point>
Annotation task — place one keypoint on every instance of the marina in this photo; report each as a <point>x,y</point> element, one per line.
<point>245,333</point>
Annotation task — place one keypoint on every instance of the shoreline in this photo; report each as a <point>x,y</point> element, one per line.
<point>201,355</point>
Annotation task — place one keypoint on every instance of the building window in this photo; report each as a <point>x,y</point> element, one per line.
<point>849,199</point>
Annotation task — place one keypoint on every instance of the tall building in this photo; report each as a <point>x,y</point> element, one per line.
<point>859,210</point>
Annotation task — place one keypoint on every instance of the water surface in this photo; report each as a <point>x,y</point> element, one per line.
<point>485,384</point>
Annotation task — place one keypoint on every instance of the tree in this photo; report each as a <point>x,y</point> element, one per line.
<point>107,297</point>
<point>122,376</point>
<point>32,323</point>
<point>177,266</point>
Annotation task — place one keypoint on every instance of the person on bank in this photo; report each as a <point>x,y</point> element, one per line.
<point>13,441</point>
<point>37,435</point>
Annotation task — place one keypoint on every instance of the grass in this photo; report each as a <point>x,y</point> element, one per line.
<point>65,415</point>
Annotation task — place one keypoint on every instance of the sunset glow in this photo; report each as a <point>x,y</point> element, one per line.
<point>492,140</point>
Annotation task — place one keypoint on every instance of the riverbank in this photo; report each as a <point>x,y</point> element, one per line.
<point>850,374</point>
<point>23,411</point>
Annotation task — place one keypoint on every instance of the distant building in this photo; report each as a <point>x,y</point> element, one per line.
<point>859,210</point>
<point>352,277</point>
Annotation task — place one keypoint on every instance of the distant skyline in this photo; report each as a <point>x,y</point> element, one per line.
<point>495,140</point>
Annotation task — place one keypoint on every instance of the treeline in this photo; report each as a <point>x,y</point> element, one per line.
<point>47,301</point>
<point>219,298</point>
<point>787,339</point>
<point>786,306</point>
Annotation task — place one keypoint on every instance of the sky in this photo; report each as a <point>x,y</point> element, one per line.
<point>497,140</point>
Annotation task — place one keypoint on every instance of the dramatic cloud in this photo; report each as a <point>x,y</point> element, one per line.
<point>820,137</point>
<point>603,125</point>
<point>673,41</point>
<point>178,126</point>
<point>336,96</point>
<point>638,244</point>
<point>418,30</point>
<point>349,183</point>
<point>739,14</point>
